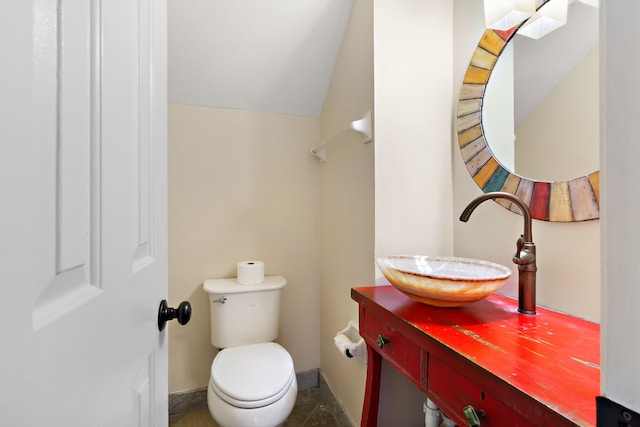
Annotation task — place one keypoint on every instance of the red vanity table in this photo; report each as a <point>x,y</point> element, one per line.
<point>514,369</point>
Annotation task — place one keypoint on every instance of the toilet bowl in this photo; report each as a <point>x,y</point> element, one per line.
<point>252,386</point>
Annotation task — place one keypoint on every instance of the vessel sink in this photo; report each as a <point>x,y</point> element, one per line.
<point>443,281</point>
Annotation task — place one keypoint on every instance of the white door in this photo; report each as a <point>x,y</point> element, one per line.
<point>83,241</point>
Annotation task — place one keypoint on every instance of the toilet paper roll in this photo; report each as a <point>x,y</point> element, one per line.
<point>344,345</point>
<point>250,272</point>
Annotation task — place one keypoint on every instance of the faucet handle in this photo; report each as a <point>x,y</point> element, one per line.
<point>519,245</point>
<point>525,252</point>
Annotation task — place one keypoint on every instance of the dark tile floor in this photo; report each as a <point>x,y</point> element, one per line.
<point>314,407</point>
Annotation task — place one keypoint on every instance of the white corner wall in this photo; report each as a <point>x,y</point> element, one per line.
<point>620,151</point>
<point>413,104</point>
<point>413,178</point>
<point>498,109</point>
<point>346,206</point>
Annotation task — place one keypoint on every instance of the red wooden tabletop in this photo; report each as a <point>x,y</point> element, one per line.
<point>552,357</point>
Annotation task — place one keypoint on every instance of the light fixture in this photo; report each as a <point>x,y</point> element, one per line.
<point>506,14</point>
<point>551,16</point>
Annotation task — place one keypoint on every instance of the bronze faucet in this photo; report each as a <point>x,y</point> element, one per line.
<point>525,257</point>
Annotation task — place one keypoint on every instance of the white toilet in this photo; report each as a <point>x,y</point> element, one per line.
<point>253,381</point>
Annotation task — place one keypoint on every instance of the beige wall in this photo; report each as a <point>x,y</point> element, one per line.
<point>346,206</point>
<point>242,185</point>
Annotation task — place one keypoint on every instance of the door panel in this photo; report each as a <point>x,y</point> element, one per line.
<point>143,178</point>
<point>83,258</point>
<point>75,142</point>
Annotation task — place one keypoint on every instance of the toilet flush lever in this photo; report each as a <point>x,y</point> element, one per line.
<point>220,300</point>
<point>166,313</point>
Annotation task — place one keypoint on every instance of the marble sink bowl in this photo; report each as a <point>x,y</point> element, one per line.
<point>443,281</point>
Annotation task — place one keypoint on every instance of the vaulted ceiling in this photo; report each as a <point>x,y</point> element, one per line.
<point>272,56</point>
<point>279,55</point>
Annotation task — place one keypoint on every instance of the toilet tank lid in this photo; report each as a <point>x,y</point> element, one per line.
<point>231,285</point>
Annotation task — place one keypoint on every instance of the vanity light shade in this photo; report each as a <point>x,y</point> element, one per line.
<point>506,14</point>
<point>551,16</point>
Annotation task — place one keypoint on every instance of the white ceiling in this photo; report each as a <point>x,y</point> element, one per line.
<point>271,56</point>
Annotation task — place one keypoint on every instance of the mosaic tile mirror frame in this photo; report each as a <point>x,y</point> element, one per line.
<point>561,201</point>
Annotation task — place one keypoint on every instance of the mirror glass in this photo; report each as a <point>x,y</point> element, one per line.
<point>540,110</point>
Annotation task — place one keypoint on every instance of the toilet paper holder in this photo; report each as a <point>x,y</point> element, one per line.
<point>349,342</point>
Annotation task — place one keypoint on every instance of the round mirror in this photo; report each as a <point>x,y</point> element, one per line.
<point>528,120</point>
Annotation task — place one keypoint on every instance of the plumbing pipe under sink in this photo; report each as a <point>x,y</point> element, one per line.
<point>431,414</point>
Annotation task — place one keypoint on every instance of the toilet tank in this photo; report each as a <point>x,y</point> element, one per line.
<point>244,314</point>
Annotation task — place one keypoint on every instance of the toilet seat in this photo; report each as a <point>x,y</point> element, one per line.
<point>252,376</point>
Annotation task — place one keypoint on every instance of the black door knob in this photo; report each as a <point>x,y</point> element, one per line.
<point>166,313</point>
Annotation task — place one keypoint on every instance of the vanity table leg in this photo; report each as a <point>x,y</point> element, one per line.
<point>372,390</point>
